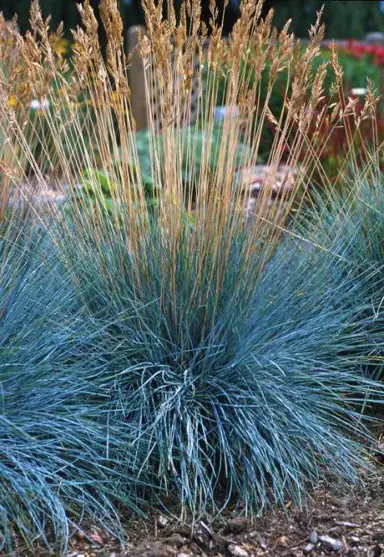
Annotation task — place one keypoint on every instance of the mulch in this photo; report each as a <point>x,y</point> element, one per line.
<point>338,523</point>
<point>350,524</point>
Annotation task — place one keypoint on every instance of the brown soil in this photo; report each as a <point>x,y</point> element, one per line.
<point>335,523</point>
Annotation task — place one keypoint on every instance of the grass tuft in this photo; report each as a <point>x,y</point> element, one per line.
<point>349,226</point>
<point>60,461</point>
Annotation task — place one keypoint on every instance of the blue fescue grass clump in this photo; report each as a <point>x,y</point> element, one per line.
<point>211,371</point>
<point>236,377</point>
<point>159,368</point>
<point>180,348</point>
<point>61,463</point>
<point>349,225</point>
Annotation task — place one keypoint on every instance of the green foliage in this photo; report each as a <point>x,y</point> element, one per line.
<point>343,19</point>
<point>100,187</point>
<point>194,138</point>
<point>356,72</point>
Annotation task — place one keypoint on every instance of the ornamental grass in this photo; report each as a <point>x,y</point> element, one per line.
<point>188,353</point>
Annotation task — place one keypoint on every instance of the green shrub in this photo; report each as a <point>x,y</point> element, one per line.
<point>99,184</point>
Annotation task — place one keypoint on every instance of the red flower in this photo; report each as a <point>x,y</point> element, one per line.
<point>369,48</point>
<point>379,51</point>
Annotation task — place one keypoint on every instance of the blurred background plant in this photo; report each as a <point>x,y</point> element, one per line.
<point>343,19</point>
<point>98,182</point>
<point>357,72</point>
<point>359,61</point>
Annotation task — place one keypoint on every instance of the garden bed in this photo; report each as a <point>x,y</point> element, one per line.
<point>336,523</point>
